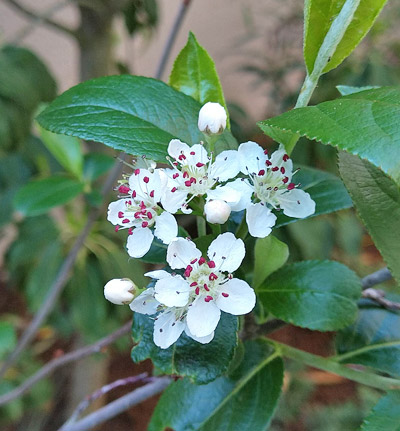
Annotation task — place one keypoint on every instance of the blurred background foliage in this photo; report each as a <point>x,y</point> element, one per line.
<point>34,240</point>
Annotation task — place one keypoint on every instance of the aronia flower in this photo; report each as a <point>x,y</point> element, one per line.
<point>139,212</point>
<point>193,302</point>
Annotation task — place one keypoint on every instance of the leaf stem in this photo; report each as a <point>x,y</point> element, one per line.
<point>242,230</point>
<point>201,226</point>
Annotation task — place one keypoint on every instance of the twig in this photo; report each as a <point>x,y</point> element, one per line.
<point>104,390</point>
<point>64,360</point>
<point>379,297</point>
<point>38,19</point>
<point>171,38</point>
<point>120,405</point>
<point>62,276</point>
<point>376,277</point>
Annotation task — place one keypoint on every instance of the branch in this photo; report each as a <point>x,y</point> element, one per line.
<point>376,277</point>
<point>64,360</point>
<point>62,276</point>
<point>118,406</point>
<point>45,18</point>
<point>379,297</point>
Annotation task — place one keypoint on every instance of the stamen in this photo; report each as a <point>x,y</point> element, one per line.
<point>285,158</point>
<point>146,179</point>
<point>145,224</point>
<point>268,163</point>
<point>130,231</point>
<point>225,295</point>
<point>199,164</point>
<point>212,277</point>
<point>120,214</point>
<point>175,176</point>
<point>125,220</point>
<point>197,290</point>
<point>208,298</point>
<point>174,189</point>
<point>152,194</point>
<point>116,228</point>
<point>206,287</point>
<point>123,189</point>
<point>211,264</point>
<point>291,186</point>
<point>188,270</point>
<point>261,172</point>
<point>137,171</point>
<point>275,168</point>
<point>201,260</point>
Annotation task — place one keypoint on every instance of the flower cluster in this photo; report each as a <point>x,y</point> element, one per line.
<point>191,299</point>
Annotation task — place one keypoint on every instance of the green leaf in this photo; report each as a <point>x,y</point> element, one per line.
<point>8,338</point>
<point>244,401</point>
<point>201,362</point>
<point>319,295</point>
<point>376,198</point>
<point>130,113</point>
<point>39,196</point>
<point>194,74</point>
<point>96,164</point>
<point>67,150</point>
<point>385,416</point>
<point>269,255</point>
<point>326,190</point>
<point>319,15</point>
<point>345,90</point>
<point>373,340</point>
<point>363,123</point>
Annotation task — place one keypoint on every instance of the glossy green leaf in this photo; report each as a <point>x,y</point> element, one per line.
<point>39,196</point>
<point>244,401</point>
<point>67,150</point>
<point>363,123</point>
<point>385,416</point>
<point>201,362</point>
<point>319,15</point>
<point>345,90</point>
<point>373,340</point>
<point>194,74</point>
<point>269,255</point>
<point>377,200</point>
<point>319,295</point>
<point>134,114</point>
<point>96,165</point>
<point>327,191</point>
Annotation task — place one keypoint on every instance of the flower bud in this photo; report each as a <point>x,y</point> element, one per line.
<point>212,118</point>
<point>217,211</point>
<point>120,291</point>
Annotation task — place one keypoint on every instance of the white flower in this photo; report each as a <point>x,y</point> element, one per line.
<point>139,212</point>
<point>193,302</point>
<point>212,118</point>
<point>120,291</point>
<point>217,211</point>
<point>194,174</point>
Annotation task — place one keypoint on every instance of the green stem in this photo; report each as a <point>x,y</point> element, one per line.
<point>242,230</point>
<point>201,226</point>
<point>365,349</point>
<point>368,379</point>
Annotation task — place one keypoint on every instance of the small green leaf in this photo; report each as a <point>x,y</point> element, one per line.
<point>376,198</point>
<point>319,295</point>
<point>345,90</point>
<point>319,15</point>
<point>8,338</point>
<point>269,255</point>
<point>373,340</point>
<point>244,401</point>
<point>67,150</point>
<point>95,165</point>
<point>39,196</point>
<point>194,74</point>
<point>363,123</point>
<point>385,416</point>
<point>201,362</point>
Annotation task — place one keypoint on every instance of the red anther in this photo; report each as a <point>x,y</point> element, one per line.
<point>275,168</point>
<point>143,211</point>
<point>120,214</point>
<point>285,158</point>
<point>134,194</point>
<point>124,189</point>
<point>193,180</point>
<point>125,220</point>
<point>282,170</point>
<point>291,186</point>
<point>211,264</point>
<point>175,163</point>
<point>137,214</point>
<point>188,270</point>
<point>186,174</point>
<point>265,152</point>
<point>275,189</point>
<point>128,203</point>
<point>145,224</point>
<point>174,189</point>
<point>193,284</point>
<point>193,261</point>
<point>212,276</point>
<point>197,290</point>
<point>146,179</point>
<point>137,171</point>
<point>130,231</point>
<point>116,228</point>
<point>199,164</point>
<point>175,176</point>
<point>182,157</point>
<point>261,172</point>
<point>192,153</point>
<point>152,194</point>
<point>201,260</point>
<point>230,276</point>
<point>142,205</point>
<point>225,295</point>
<point>188,183</point>
<point>206,287</point>
<point>208,298</point>
<point>149,215</point>
<point>285,180</point>
<point>268,163</point>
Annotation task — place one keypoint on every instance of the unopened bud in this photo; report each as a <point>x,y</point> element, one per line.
<point>212,118</point>
<point>120,291</point>
<point>217,211</point>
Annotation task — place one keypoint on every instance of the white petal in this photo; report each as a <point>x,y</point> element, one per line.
<point>252,158</point>
<point>114,209</point>
<point>176,147</point>
<point>202,317</point>
<point>226,165</point>
<point>297,203</point>
<point>172,291</point>
<point>200,155</point>
<point>144,183</point>
<point>241,298</point>
<point>260,220</point>
<point>242,197</point>
<point>202,340</point>
<point>173,201</point>
<point>166,227</point>
<point>227,252</point>
<point>277,160</point>
<point>145,303</point>
<point>139,242</point>
<point>167,329</point>
<point>181,252</point>
<point>157,274</point>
